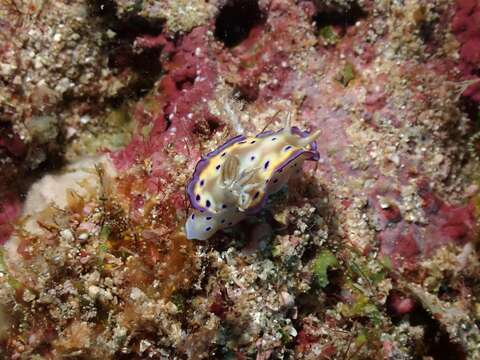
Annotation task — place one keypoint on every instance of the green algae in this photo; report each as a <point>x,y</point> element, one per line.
<point>105,232</point>
<point>14,283</point>
<point>328,35</point>
<point>178,299</point>
<point>346,74</point>
<point>322,263</point>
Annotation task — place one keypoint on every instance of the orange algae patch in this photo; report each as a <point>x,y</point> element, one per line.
<point>164,264</point>
<point>95,256</point>
<point>176,268</point>
<point>166,259</point>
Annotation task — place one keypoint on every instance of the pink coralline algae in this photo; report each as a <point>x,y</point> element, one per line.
<point>466,26</point>
<point>399,304</point>
<point>403,240</point>
<point>182,96</point>
<point>9,211</point>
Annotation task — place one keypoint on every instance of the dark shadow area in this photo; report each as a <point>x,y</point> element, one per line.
<point>472,109</point>
<point>247,92</point>
<point>208,126</point>
<point>120,48</point>
<point>21,169</point>
<point>427,31</point>
<point>235,20</point>
<point>436,342</point>
<point>343,17</point>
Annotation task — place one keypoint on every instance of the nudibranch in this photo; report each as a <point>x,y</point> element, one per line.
<point>235,180</point>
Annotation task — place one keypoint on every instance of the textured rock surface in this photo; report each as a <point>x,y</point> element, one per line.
<point>358,259</point>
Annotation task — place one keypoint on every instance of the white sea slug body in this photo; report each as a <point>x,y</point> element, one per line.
<point>235,180</point>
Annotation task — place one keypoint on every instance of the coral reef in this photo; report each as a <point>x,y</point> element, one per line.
<point>107,106</point>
